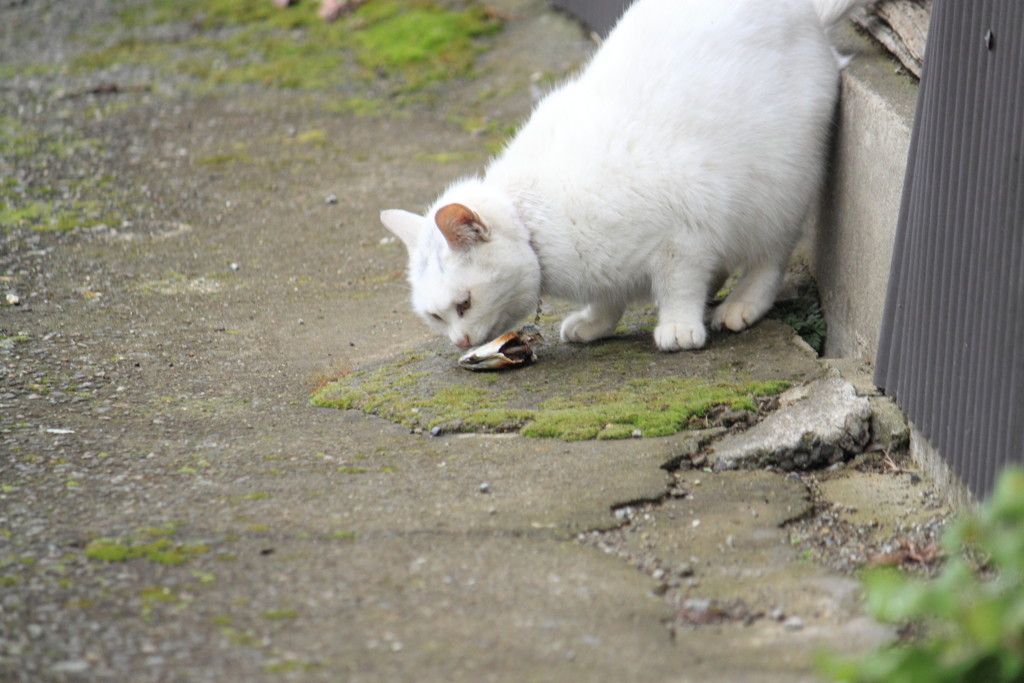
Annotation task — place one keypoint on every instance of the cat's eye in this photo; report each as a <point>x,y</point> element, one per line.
<point>461,308</point>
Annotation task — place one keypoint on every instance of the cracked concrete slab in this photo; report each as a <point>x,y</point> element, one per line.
<point>172,507</point>
<point>819,424</point>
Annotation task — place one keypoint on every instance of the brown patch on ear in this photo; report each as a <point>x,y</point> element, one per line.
<point>461,227</point>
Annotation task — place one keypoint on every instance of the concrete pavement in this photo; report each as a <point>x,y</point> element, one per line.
<point>191,258</point>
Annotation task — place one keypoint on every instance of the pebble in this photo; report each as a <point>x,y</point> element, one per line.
<point>697,604</point>
<point>332,199</point>
<point>637,433</point>
<point>485,488</point>
<point>793,624</point>
<point>778,614</point>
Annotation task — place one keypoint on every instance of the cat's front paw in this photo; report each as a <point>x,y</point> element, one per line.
<point>582,328</point>
<point>672,337</point>
<point>736,315</point>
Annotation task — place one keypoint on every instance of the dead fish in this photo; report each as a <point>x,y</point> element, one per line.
<point>510,350</point>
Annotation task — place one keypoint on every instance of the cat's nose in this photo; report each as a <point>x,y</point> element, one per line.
<point>464,343</point>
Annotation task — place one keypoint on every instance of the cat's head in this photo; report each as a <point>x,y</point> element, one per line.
<point>473,272</point>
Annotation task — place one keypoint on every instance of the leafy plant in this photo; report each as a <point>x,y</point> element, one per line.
<point>974,611</point>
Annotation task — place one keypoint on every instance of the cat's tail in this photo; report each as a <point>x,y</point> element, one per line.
<point>833,11</point>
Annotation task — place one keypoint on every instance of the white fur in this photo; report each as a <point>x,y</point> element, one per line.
<point>691,145</point>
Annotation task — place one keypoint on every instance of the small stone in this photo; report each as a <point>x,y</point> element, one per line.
<point>793,624</point>
<point>332,199</point>
<point>658,574</point>
<point>697,605</point>
<point>12,299</point>
<point>35,630</point>
<point>698,460</point>
<point>685,569</point>
<point>72,666</point>
<point>485,488</point>
<point>436,431</point>
<point>695,523</point>
<point>778,614</point>
<point>637,433</point>
<point>396,646</point>
<point>234,266</point>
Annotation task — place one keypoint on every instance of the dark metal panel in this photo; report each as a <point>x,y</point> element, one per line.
<point>598,15</point>
<point>954,316</point>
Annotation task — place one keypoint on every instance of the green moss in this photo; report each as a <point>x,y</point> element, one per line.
<point>421,39</point>
<point>417,42</point>
<point>657,407</point>
<point>616,431</point>
<point>161,550</point>
<point>578,403</point>
<point>361,106</point>
<point>447,157</point>
<point>224,159</point>
<point>280,614</point>
<point>288,665</point>
<point>57,205</point>
<point>158,594</point>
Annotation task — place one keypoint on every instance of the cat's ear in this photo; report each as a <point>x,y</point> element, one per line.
<point>406,226</point>
<point>461,227</point>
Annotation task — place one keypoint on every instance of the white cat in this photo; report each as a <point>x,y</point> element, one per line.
<point>691,145</point>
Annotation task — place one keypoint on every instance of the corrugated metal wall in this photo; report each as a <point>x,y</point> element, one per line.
<point>951,350</point>
<point>598,15</point>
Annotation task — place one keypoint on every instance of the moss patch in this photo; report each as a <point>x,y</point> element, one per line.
<point>162,551</point>
<point>250,41</point>
<point>606,390</point>
<point>53,201</point>
<point>153,545</point>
